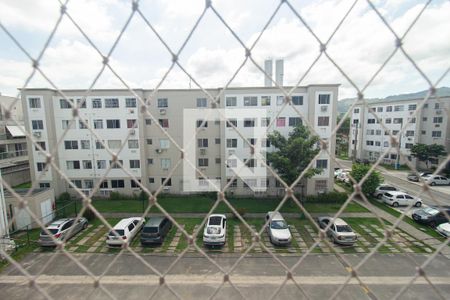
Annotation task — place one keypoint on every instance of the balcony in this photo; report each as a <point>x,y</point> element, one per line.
<point>13,154</point>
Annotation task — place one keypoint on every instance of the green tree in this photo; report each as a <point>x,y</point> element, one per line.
<point>294,153</point>
<point>371,183</point>
<point>425,152</point>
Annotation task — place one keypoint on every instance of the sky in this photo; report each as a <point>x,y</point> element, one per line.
<point>212,54</point>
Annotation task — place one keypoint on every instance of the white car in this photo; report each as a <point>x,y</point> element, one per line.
<point>277,229</point>
<point>215,232</point>
<point>337,172</point>
<point>379,191</point>
<point>343,176</point>
<point>124,231</point>
<point>436,180</point>
<point>397,198</point>
<point>444,229</point>
<point>339,232</point>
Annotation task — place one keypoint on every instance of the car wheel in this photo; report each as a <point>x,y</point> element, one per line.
<point>395,204</point>
<point>433,183</point>
<point>418,204</point>
<point>380,196</point>
<point>85,225</point>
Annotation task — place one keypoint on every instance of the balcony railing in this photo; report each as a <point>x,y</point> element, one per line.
<point>12,154</point>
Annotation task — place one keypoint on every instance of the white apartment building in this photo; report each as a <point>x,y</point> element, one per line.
<point>149,154</point>
<point>369,140</point>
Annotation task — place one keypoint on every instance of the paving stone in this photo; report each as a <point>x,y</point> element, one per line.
<point>428,250</point>
<point>92,249</point>
<point>359,250</point>
<point>73,248</point>
<point>104,250</point>
<point>408,250</point>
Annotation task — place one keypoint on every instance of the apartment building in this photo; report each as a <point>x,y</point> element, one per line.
<point>150,154</point>
<point>369,140</point>
<point>14,165</point>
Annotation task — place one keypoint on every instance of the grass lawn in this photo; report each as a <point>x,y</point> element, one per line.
<point>23,247</point>
<point>392,167</point>
<point>25,185</point>
<point>199,204</point>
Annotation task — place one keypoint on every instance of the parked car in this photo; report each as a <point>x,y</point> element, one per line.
<point>62,229</point>
<point>425,174</point>
<point>277,229</point>
<point>155,230</point>
<point>413,177</point>
<point>380,190</point>
<point>444,229</point>
<point>343,176</point>
<point>339,232</point>
<point>397,198</point>
<point>436,180</point>
<point>339,171</point>
<point>215,232</point>
<point>431,215</point>
<point>124,231</point>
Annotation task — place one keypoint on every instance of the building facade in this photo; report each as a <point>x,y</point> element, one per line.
<point>153,157</point>
<point>369,140</point>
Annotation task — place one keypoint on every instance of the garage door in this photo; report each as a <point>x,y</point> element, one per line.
<point>23,219</point>
<point>47,212</point>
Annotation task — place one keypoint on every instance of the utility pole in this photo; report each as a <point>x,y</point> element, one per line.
<point>356,141</point>
<point>397,161</point>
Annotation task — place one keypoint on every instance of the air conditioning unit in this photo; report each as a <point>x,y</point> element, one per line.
<point>324,108</point>
<point>131,111</point>
<point>437,125</point>
<point>202,151</point>
<point>162,111</point>
<point>132,131</point>
<point>439,112</point>
<point>166,188</point>
<point>37,134</point>
<point>158,150</point>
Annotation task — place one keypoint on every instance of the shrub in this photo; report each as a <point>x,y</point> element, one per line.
<point>371,183</point>
<point>89,214</point>
<point>241,211</point>
<point>64,197</point>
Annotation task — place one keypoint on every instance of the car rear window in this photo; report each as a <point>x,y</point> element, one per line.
<point>150,229</point>
<point>213,230</point>
<point>278,225</point>
<point>215,221</point>
<point>53,231</point>
<point>120,232</point>
<point>343,228</point>
<point>388,194</point>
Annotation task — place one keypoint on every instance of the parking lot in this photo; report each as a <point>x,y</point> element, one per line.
<point>304,234</point>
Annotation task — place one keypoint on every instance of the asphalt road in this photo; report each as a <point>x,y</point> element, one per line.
<point>441,194</point>
<point>256,277</point>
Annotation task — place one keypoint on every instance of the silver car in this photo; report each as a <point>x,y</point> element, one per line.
<point>277,229</point>
<point>339,231</point>
<point>62,229</point>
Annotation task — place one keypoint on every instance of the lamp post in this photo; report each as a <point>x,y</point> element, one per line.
<point>356,126</point>
<point>397,161</point>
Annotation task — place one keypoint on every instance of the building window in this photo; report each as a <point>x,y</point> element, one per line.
<point>388,108</point>
<point>149,142</point>
<point>437,120</point>
<point>101,164</point>
<point>111,103</point>
<point>99,144</point>
<point>85,144</point>
<point>133,144</point>
<point>399,108</point>
<point>40,166</point>
<point>131,123</point>
<point>412,107</point>
<point>104,184</point>
<point>297,100</point>
<point>202,102</point>
<point>265,122</point>
<point>76,183</point>
<point>231,163</point>
<point>409,133</point>
<point>64,104</point>
<point>386,144</point>
<point>135,163</point>
<point>280,100</point>
<point>37,124</point>
<point>112,124</point>
<point>202,143</point>
<point>324,99</point>
<point>265,143</point>
<point>81,103</point>
<point>114,144</point>
<point>149,161</point>
<point>265,100</point>
<point>151,180</point>
<point>424,132</point>
<point>217,141</point>
<point>34,102</point>
<point>281,122</point>
<point>424,119</point>
<point>168,183</point>
<point>73,164</point>
<point>323,121</point>
<point>320,185</point>
<point>163,102</point>
<point>398,121</point>
<point>355,121</point>
<point>295,121</point>
<point>322,163</point>
<point>370,121</point>
<point>148,121</point>
<point>356,111</point>
<point>165,163</point>
<point>251,101</point>
<point>388,121</point>
<point>232,121</point>
<point>380,109</point>
<point>70,145</point>
<point>250,163</point>
<point>378,132</point>
<point>231,101</point>
<point>67,124</point>
<point>44,185</point>
<point>408,145</point>
<point>378,143</point>
<point>202,162</point>
<point>117,183</point>
<point>436,133</point>
<point>369,143</point>
<point>164,123</point>
<point>233,183</point>
<point>231,143</point>
<point>88,183</point>
<point>87,164</point>
<point>83,125</point>
<point>164,143</point>
<point>436,106</point>
<point>42,144</point>
<point>249,122</point>
<point>97,103</point>
<point>134,183</point>
<point>412,120</point>
<point>202,123</point>
<point>98,124</point>
<point>116,164</point>
<point>130,102</point>
<point>218,160</point>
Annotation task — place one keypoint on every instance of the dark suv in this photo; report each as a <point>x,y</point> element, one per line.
<point>431,215</point>
<point>155,230</point>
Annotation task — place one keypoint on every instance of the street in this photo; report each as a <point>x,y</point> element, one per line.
<point>256,277</point>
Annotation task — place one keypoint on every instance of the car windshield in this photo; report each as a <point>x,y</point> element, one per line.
<point>120,232</point>
<point>150,229</point>
<point>343,228</point>
<point>278,225</point>
<point>430,210</point>
<point>53,231</point>
<point>215,221</point>
<point>213,230</point>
